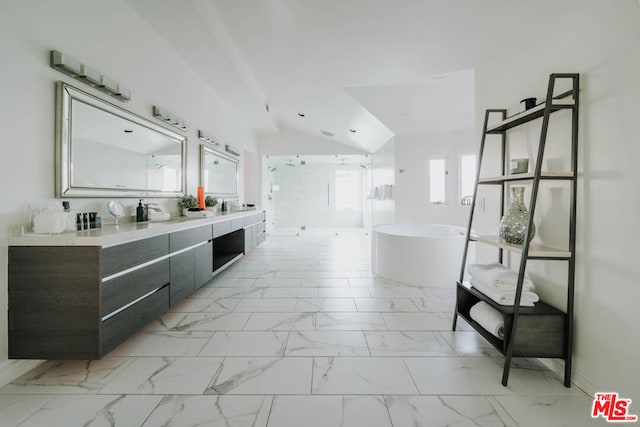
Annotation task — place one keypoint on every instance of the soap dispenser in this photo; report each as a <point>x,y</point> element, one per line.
<point>140,212</point>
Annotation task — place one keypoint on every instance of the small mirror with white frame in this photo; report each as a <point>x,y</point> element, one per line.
<point>218,173</point>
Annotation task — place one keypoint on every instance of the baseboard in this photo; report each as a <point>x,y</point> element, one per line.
<point>12,369</point>
<point>578,380</point>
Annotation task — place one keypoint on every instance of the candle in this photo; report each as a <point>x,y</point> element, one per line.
<point>201,197</point>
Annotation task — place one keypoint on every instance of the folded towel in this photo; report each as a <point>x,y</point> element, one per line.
<point>498,276</point>
<point>527,299</point>
<point>489,318</point>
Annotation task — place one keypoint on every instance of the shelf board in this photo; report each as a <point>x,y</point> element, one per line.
<point>529,115</point>
<point>539,308</point>
<point>526,176</point>
<point>535,250</point>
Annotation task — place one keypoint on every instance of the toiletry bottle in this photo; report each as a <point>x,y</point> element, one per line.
<point>140,212</point>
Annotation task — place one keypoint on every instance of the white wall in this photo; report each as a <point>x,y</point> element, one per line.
<point>601,43</point>
<point>113,39</point>
<point>412,155</point>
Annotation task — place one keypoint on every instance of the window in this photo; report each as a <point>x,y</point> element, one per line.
<point>437,187</point>
<point>467,178</point>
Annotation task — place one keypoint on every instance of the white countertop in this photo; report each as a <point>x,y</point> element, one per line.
<point>111,234</point>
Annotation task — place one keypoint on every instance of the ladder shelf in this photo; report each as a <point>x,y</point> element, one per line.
<point>541,330</point>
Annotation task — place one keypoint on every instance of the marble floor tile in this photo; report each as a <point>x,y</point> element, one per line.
<point>325,281</point>
<point>463,411</point>
<point>164,375</point>
<point>565,411</point>
<point>204,305</point>
<point>343,292</point>
<point>262,375</point>
<point>265,305</point>
<point>246,343</point>
<point>157,343</point>
<point>349,322</point>
<point>469,343</point>
<point>409,343</point>
<point>230,283</point>
<point>178,322</point>
<point>325,304</point>
<point>281,322</point>
<point>388,291</point>
<point>481,376</point>
<point>418,321</point>
<point>299,292</point>
<point>225,292</point>
<point>435,305</point>
<point>278,283</point>
<point>15,408</point>
<point>382,305</point>
<point>329,411</point>
<point>93,411</point>
<point>361,375</point>
<point>68,376</point>
<point>211,411</point>
<point>326,343</point>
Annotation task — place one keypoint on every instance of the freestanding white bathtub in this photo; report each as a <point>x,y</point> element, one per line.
<point>419,254</point>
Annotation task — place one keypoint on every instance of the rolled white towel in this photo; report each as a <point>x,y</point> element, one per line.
<point>489,318</point>
<point>498,276</point>
<point>527,299</point>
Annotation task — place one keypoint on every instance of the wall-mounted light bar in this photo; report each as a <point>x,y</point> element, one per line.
<point>84,73</point>
<point>231,149</point>
<point>169,118</point>
<point>207,138</point>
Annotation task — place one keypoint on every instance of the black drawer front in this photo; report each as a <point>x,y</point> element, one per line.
<point>121,257</point>
<point>204,264</point>
<point>120,291</point>
<point>184,239</point>
<point>121,326</point>
<point>221,228</point>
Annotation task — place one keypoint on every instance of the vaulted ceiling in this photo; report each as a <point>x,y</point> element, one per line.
<point>356,72</point>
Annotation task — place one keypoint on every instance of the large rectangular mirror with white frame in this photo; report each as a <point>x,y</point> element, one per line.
<point>218,173</point>
<point>103,150</point>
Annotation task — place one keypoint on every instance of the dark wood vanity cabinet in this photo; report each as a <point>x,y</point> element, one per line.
<point>80,302</point>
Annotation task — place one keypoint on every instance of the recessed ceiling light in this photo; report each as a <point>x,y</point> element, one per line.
<point>128,131</point>
<point>352,130</point>
<point>301,114</point>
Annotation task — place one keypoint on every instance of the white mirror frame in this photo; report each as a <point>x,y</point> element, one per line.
<point>64,185</point>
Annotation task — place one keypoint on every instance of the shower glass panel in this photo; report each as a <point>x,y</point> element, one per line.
<point>315,192</point>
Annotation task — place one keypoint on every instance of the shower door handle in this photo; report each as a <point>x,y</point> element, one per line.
<point>328,195</point>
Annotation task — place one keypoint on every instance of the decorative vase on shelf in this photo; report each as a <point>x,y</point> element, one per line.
<point>513,225</point>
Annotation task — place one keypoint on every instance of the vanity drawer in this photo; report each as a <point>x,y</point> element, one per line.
<point>262,237</point>
<point>237,224</point>
<point>250,220</point>
<point>124,324</point>
<point>120,291</point>
<point>184,239</point>
<point>221,228</point>
<point>121,257</point>
<point>262,216</point>
<point>261,227</point>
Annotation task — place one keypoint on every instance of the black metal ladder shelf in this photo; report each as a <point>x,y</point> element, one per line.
<point>539,331</point>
